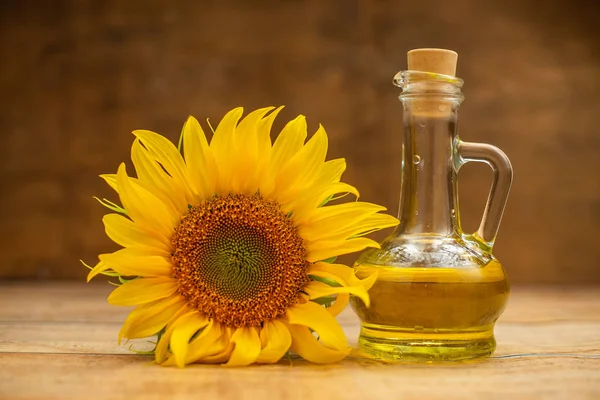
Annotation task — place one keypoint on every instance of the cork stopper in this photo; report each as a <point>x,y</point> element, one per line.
<point>438,61</point>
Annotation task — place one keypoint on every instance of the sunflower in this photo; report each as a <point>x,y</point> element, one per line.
<point>229,245</point>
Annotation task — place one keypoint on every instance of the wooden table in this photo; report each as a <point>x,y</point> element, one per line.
<point>58,340</point>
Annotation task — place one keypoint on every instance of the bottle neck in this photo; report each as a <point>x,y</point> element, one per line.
<point>428,194</point>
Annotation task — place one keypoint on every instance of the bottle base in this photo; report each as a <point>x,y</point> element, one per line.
<point>393,344</point>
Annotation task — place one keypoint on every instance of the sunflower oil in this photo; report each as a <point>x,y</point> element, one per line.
<point>431,314</point>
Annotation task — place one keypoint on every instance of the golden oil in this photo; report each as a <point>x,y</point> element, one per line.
<point>431,314</point>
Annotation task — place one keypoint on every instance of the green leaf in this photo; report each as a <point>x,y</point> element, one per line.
<point>327,200</point>
<point>330,260</point>
<point>327,281</point>
<point>326,301</point>
<point>123,280</point>
<point>111,206</point>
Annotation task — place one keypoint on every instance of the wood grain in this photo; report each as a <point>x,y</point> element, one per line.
<point>59,341</point>
<point>77,76</point>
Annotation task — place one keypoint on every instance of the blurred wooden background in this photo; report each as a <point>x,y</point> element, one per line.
<point>77,76</point>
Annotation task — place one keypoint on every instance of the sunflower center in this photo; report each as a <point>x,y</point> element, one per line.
<point>239,260</point>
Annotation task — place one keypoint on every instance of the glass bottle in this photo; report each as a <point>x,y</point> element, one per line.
<point>439,291</point>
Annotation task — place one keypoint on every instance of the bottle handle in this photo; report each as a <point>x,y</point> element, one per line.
<point>503,174</point>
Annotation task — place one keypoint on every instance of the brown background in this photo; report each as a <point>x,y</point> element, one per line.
<point>77,76</point>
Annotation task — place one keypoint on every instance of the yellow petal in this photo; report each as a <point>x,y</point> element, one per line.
<point>264,133</point>
<point>149,319</point>
<point>152,174</point>
<point>324,185</point>
<point>275,340</point>
<point>165,152</point>
<point>302,169</point>
<point>186,327</point>
<point>111,180</point>
<point>127,233</point>
<point>220,350</point>
<point>133,262</point>
<point>200,163</point>
<point>247,347</point>
<point>305,206</point>
<point>100,267</point>
<point>320,289</point>
<point>309,348</point>
<point>144,207</point>
<point>221,145</point>
<point>370,224</point>
<point>162,347</point>
<point>288,143</point>
<point>340,273</point>
<point>341,301</point>
<point>143,290</point>
<point>209,346</point>
<point>244,155</point>
<point>337,216</point>
<point>322,250</point>
<point>315,317</point>
<point>263,178</point>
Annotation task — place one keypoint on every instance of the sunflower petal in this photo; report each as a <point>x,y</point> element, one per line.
<point>142,290</point>
<point>340,273</point>
<point>309,348</point>
<point>111,180</point>
<point>132,262</point>
<point>244,155</point>
<point>288,143</point>
<point>148,319</point>
<point>162,347</point>
<point>186,327</point>
<point>315,317</point>
<point>127,233</point>
<point>247,347</point>
<point>320,289</point>
<point>200,164</point>
<point>337,216</point>
<point>264,133</point>
<point>165,153</point>
<point>341,301</point>
<point>100,267</point>
<point>221,145</point>
<point>220,350</point>
<point>360,228</point>
<point>144,207</point>
<point>322,250</point>
<point>211,344</point>
<point>276,340</point>
<point>305,206</point>
<point>263,178</point>
<point>302,169</point>
<point>152,175</point>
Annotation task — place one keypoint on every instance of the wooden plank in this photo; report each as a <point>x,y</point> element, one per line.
<point>101,338</point>
<point>58,301</point>
<point>77,301</point>
<point>62,336</point>
<point>38,376</point>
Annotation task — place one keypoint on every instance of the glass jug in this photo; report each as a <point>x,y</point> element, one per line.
<point>439,291</point>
